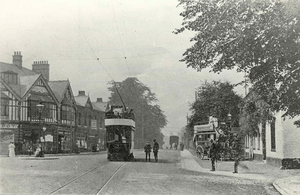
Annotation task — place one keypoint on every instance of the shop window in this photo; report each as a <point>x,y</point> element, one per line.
<point>273,136</point>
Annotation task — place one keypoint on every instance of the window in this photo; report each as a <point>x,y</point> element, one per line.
<point>90,120</point>
<point>67,113</point>
<point>79,118</point>
<point>247,141</point>
<point>10,77</point>
<point>100,122</point>
<point>4,107</point>
<point>273,135</point>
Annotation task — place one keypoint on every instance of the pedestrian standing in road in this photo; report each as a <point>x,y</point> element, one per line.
<point>155,150</point>
<point>11,150</point>
<point>213,154</point>
<point>147,149</point>
<point>236,153</point>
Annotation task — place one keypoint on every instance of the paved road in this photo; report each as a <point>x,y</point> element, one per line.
<point>93,174</point>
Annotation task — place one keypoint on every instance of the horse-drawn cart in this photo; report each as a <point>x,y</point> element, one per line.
<point>202,135</point>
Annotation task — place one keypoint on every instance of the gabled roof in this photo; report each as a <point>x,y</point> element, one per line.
<point>42,79</point>
<point>27,82</point>
<point>59,88</point>
<point>14,89</point>
<point>101,106</point>
<point>81,100</point>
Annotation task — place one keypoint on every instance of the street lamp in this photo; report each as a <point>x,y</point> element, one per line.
<point>40,108</point>
<point>229,120</point>
<point>44,130</point>
<point>229,117</point>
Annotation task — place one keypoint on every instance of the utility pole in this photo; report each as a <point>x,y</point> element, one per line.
<point>187,133</point>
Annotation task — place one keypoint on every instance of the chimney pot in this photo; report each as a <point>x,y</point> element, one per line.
<point>17,59</point>
<point>41,67</point>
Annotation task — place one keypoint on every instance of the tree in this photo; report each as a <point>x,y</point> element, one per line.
<point>149,118</point>
<point>260,37</point>
<point>215,99</point>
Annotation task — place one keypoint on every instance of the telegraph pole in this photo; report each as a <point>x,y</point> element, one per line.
<point>187,131</point>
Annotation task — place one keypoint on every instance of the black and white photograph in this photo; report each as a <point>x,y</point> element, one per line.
<point>158,97</point>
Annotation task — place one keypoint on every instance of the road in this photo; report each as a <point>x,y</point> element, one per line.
<point>93,174</point>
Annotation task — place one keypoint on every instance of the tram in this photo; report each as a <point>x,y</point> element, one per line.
<point>120,127</point>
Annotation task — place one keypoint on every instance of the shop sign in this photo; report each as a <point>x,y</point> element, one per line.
<point>48,138</point>
<point>9,126</point>
<point>7,138</point>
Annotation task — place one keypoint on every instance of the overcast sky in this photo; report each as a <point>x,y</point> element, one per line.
<point>72,34</point>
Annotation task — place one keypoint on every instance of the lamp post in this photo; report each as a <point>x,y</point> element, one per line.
<point>229,120</point>
<point>44,130</point>
<point>40,108</point>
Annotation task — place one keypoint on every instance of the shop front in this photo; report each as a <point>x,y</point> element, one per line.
<point>7,135</point>
<point>65,137</point>
<point>35,135</point>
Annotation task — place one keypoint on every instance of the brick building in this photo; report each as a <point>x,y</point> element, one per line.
<point>89,128</point>
<point>28,108</point>
<point>37,111</point>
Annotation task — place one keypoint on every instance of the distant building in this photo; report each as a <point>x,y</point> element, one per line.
<point>102,107</point>
<point>89,128</point>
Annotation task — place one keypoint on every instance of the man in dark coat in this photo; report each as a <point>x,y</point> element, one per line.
<point>213,154</point>
<point>147,149</point>
<point>155,150</point>
<point>236,150</point>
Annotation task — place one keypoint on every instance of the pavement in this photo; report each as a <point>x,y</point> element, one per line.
<point>287,182</point>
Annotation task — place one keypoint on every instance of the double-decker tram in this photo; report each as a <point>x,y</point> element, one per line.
<point>120,127</point>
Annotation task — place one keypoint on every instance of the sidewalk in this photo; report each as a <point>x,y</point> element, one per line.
<point>57,155</point>
<point>255,170</point>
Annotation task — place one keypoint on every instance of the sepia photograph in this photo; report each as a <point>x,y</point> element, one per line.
<point>158,97</point>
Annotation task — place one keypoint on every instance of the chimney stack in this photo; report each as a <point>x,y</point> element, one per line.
<point>17,59</point>
<point>41,67</point>
<point>99,100</point>
<point>81,93</point>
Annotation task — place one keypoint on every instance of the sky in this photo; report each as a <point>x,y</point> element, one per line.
<point>92,42</point>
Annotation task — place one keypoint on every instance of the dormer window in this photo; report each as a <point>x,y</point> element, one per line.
<point>10,77</point>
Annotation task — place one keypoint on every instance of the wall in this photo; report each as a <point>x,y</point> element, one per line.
<point>279,139</point>
<point>291,147</point>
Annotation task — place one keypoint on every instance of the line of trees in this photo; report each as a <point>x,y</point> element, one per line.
<point>258,37</point>
<point>149,117</point>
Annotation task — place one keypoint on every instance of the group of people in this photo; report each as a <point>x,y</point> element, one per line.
<point>214,153</point>
<point>148,148</point>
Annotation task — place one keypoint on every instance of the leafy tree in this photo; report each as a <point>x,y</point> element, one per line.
<point>149,118</point>
<point>260,37</point>
<point>215,99</point>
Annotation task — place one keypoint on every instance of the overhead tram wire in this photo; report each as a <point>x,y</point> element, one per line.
<point>120,39</point>
<point>102,65</point>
